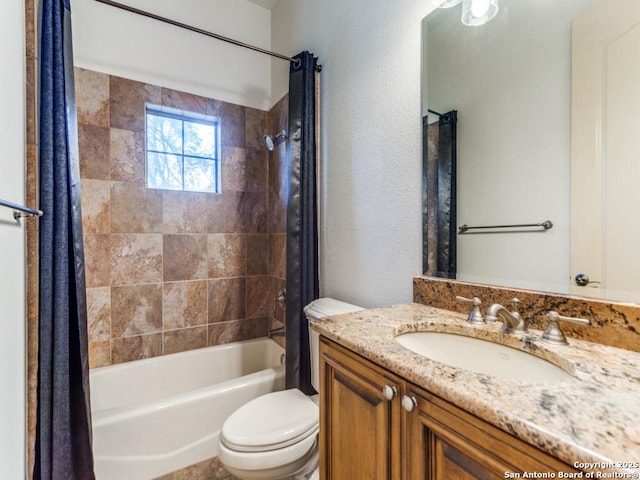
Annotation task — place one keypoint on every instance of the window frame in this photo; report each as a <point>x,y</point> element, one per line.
<point>185,117</point>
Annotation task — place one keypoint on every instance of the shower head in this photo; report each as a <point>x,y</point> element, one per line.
<point>270,140</point>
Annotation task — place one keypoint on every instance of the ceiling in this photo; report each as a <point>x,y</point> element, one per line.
<point>269,4</point>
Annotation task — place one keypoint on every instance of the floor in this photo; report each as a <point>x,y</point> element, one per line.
<point>210,469</point>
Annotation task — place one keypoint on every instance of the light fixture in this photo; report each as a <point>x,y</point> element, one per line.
<point>449,3</point>
<point>478,12</point>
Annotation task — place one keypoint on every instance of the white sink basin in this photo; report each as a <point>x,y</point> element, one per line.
<point>482,356</point>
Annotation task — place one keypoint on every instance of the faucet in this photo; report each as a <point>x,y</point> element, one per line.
<point>276,332</point>
<point>511,321</point>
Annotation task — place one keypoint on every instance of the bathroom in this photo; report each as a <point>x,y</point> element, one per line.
<point>370,242</point>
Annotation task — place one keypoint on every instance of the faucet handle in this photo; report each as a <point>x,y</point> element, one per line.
<point>552,334</point>
<point>475,316</point>
<point>522,326</point>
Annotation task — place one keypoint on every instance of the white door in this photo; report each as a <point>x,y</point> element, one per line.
<point>605,145</point>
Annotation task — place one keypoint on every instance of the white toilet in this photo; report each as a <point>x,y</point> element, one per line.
<point>275,436</point>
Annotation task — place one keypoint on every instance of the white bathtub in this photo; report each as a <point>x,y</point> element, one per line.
<point>155,416</point>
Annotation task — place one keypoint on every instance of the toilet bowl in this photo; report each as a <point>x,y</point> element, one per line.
<point>275,436</point>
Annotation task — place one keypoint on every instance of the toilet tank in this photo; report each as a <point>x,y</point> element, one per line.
<point>320,308</point>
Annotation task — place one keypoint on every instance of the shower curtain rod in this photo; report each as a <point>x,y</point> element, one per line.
<point>144,13</point>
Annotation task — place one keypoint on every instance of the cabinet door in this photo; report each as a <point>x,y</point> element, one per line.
<point>445,442</point>
<point>359,427</point>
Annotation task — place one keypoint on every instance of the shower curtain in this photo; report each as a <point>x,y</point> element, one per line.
<point>63,428</point>
<point>439,195</point>
<point>302,218</point>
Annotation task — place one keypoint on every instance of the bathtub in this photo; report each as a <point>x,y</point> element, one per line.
<point>154,416</point>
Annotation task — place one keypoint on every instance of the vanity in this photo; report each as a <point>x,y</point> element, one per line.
<point>390,412</point>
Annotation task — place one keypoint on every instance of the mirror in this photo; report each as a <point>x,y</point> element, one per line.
<point>509,84</point>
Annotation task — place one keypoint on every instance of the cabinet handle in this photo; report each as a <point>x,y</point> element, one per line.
<point>389,392</point>
<point>409,403</point>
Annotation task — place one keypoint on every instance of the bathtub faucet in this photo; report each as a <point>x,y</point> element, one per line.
<point>276,332</point>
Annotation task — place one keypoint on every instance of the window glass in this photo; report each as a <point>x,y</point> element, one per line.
<point>182,151</point>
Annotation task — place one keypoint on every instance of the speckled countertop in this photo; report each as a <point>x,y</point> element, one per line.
<point>593,417</point>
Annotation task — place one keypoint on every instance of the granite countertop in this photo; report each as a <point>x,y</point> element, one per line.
<point>591,418</point>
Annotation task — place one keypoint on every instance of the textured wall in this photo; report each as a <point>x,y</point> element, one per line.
<point>371,139</point>
<point>171,271</point>
<point>110,40</point>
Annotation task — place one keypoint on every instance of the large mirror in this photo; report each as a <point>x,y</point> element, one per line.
<point>517,132</point>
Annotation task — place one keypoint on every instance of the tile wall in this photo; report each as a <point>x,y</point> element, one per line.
<point>171,271</point>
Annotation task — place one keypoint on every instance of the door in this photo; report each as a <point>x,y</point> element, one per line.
<point>605,152</point>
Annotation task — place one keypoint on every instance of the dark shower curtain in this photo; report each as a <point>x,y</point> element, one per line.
<point>302,219</point>
<point>63,429</point>
<point>439,195</point>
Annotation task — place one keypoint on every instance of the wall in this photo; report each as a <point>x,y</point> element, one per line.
<point>12,238</point>
<point>171,271</point>
<point>371,139</point>
<point>110,40</point>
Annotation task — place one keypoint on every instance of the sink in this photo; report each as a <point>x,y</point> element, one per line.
<point>482,356</point>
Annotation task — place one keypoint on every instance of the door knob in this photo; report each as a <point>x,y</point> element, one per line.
<point>582,279</point>
<point>389,392</point>
<point>409,403</point>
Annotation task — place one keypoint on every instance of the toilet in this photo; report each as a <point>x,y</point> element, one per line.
<point>275,436</point>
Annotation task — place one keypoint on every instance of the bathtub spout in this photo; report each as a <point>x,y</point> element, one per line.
<point>276,332</point>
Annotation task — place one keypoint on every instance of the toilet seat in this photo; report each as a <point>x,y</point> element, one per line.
<point>271,422</point>
<point>295,455</point>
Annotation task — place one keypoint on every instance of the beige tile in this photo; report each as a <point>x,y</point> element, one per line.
<point>135,209</point>
<point>184,101</point>
<point>136,309</point>
<point>127,349</point>
<point>127,102</point>
<point>258,301</point>
<point>99,354</point>
<point>256,125</point>
<point>227,299</point>
<point>184,304</point>
<point>185,339</point>
<point>31,69</point>
<point>92,97</point>
<point>227,255</point>
<point>210,469</point>
<point>233,121</point>
<point>126,153</point>
<point>186,212</point>
<point>226,332</point>
<point>277,213</point>
<point>278,255</point>
<point>256,327</point>
<point>136,258</point>
<point>185,257</point>
<point>258,254</point>
<point>93,147</point>
<point>95,206</point>
<point>226,213</point>
<point>234,166</point>
<point>97,260</point>
<point>277,285</point>
<point>256,212</point>
<point>99,313</point>
<point>257,170</point>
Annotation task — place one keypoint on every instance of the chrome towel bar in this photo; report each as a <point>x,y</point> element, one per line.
<point>20,211</point>
<point>546,225</point>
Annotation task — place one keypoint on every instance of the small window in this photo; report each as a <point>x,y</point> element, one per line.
<point>182,150</point>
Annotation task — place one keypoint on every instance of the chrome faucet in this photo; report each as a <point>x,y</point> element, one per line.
<point>276,332</point>
<point>512,321</point>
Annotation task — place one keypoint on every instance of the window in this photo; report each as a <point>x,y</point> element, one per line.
<point>182,150</point>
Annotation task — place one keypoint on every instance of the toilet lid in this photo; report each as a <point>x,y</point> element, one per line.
<point>271,421</point>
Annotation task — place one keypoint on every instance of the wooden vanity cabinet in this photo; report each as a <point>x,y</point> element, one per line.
<point>359,427</point>
<point>365,435</point>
